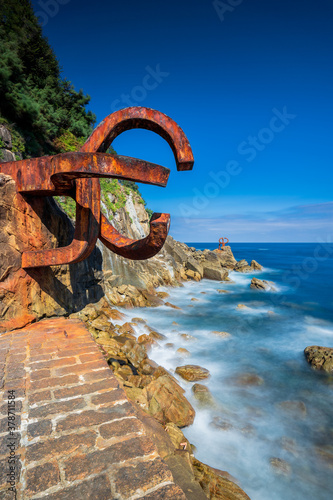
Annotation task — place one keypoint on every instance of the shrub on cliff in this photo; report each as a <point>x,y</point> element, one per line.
<point>33,96</point>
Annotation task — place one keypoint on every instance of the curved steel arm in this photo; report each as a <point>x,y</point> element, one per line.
<point>101,139</point>
<point>146,118</point>
<point>136,249</point>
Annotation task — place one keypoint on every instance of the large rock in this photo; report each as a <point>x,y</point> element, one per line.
<point>256,266</point>
<point>194,265</point>
<point>192,372</point>
<point>6,137</point>
<point>166,402</point>
<point>243,267</point>
<point>262,285</point>
<point>215,484</point>
<point>320,358</point>
<point>214,273</point>
<point>6,155</point>
<point>226,257</point>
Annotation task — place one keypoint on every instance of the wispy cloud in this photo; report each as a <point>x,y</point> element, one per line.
<point>297,223</point>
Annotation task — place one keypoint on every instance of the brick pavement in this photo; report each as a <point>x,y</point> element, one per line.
<point>77,434</point>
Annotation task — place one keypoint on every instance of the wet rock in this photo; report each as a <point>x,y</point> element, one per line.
<point>203,396</point>
<point>167,403</point>
<point>126,328</point>
<point>163,295</point>
<point>172,306</point>
<point>242,267</point>
<point>192,372</point>
<point>177,437</point>
<point>262,285</point>
<point>223,291</point>
<point>194,299</point>
<point>148,367</point>
<point>223,335</point>
<point>112,313</point>
<point>221,424</point>
<point>289,445</point>
<point>135,353</point>
<point>138,320</point>
<point>256,266</point>
<point>294,408</point>
<point>320,358</point>
<point>248,430</point>
<point>157,335</point>
<point>242,306</point>
<point>187,337</point>
<point>217,484</point>
<point>280,466</point>
<point>248,379</point>
<point>169,345</point>
<point>325,454</point>
<point>147,341</point>
<point>183,352</point>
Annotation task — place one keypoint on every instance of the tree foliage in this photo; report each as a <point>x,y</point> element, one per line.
<point>33,96</point>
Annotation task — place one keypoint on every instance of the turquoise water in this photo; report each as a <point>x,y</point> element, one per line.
<point>267,339</point>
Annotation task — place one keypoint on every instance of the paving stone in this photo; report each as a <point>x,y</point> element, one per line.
<point>120,428</point>
<point>98,461</point>
<point>57,407</point>
<point>92,417</point>
<point>63,445</point>
<point>41,478</point>
<point>98,488</point>
<point>42,428</point>
<point>144,476</point>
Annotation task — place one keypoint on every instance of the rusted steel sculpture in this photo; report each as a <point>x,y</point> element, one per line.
<point>222,243</point>
<point>77,175</point>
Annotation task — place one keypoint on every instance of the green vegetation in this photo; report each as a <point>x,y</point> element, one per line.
<point>43,112</point>
<point>34,99</point>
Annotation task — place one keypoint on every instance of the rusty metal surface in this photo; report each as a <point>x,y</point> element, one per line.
<point>222,243</point>
<point>77,175</point>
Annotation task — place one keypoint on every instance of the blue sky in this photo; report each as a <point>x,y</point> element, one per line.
<point>249,81</point>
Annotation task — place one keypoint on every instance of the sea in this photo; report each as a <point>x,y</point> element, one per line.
<point>270,424</point>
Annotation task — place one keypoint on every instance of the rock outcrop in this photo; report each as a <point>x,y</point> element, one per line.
<point>262,285</point>
<point>192,372</point>
<point>320,358</point>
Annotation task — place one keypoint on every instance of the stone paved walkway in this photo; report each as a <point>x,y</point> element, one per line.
<point>77,435</point>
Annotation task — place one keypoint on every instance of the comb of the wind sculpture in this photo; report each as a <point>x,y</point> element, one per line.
<point>77,175</point>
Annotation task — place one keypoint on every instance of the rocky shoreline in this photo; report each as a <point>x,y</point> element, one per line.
<point>158,398</point>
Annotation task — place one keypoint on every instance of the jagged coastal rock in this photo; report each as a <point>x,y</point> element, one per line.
<point>262,285</point>
<point>320,358</point>
<point>192,372</point>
